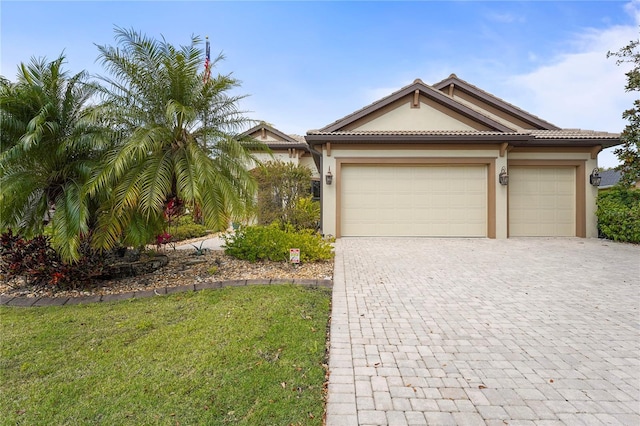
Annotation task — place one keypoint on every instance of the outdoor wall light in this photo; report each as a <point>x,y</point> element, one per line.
<point>503,177</point>
<point>328,177</point>
<point>595,178</point>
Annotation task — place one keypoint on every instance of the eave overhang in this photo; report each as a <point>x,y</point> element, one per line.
<point>316,138</point>
<point>280,146</point>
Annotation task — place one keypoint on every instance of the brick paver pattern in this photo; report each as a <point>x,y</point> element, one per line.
<point>485,332</point>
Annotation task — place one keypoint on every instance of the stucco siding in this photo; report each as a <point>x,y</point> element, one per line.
<point>430,116</point>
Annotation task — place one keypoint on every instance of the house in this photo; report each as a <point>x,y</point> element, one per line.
<point>451,160</point>
<point>609,178</point>
<point>285,148</point>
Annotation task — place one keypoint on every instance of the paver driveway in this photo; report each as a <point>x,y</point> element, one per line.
<point>479,331</point>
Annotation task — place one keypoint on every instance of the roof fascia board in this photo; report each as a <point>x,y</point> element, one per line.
<point>427,91</point>
<point>555,142</point>
<point>281,145</point>
<point>514,140</point>
<point>313,140</point>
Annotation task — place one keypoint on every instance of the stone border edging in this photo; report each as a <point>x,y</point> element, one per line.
<point>22,301</point>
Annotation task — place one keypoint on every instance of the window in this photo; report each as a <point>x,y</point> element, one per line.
<point>315,190</point>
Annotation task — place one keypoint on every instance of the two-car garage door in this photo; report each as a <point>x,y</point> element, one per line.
<point>452,200</point>
<point>414,200</point>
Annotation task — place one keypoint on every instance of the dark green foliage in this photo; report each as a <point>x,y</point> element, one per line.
<point>181,139</point>
<point>116,169</point>
<point>273,243</point>
<point>51,141</point>
<point>41,266</point>
<point>283,195</point>
<point>619,214</point>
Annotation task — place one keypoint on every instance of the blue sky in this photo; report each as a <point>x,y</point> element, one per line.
<point>306,64</point>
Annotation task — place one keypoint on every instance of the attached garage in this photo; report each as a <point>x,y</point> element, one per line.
<point>413,200</point>
<point>542,202</point>
<point>452,160</point>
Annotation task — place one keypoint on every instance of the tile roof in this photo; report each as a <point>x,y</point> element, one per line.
<point>572,134</point>
<point>298,138</point>
<point>609,178</point>
<point>537,134</point>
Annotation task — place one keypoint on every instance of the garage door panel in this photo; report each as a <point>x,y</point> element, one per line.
<point>413,200</point>
<point>542,201</point>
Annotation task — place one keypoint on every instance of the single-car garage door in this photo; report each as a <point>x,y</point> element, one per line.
<point>411,200</point>
<point>542,201</point>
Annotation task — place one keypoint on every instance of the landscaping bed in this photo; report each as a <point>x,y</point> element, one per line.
<point>186,268</point>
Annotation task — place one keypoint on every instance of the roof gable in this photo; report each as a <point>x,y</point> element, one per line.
<point>402,108</point>
<point>269,134</point>
<point>496,108</point>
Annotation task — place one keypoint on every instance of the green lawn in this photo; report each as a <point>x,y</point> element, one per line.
<point>247,356</point>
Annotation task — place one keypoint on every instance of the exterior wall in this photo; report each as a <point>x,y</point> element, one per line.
<point>401,116</point>
<point>277,156</point>
<point>307,161</point>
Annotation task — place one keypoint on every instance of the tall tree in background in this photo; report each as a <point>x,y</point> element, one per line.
<point>50,144</point>
<point>180,142</point>
<point>629,152</point>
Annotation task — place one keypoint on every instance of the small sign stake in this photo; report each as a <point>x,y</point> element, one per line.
<point>294,256</point>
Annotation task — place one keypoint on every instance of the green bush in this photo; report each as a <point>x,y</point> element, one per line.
<point>273,243</point>
<point>184,232</point>
<point>184,228</point>
<point>619,214</point>
<point>284,195</point>
<point>305,214</point>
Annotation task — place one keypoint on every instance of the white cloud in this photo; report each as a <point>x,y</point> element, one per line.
<point>582,88</point>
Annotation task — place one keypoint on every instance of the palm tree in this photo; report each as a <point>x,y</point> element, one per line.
<point>180,139</point>
<point>50,143</point>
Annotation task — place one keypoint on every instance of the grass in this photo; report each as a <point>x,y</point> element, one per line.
<point>241,356</point>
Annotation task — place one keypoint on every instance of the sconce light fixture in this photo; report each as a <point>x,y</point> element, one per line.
<point>595,178</point>
<point>328,177</point>
<point>503,177</point>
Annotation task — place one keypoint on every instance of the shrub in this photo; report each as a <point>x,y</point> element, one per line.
<point>305,214</point>
<point>273,243</point>
<point>41,266</point>
<point>187,231</point>
<point>181,228</point>
<point>281,189</point>
<point>619,214</point>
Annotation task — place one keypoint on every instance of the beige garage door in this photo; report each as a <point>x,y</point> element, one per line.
<point>413,200</point>
<point>542,202</point>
